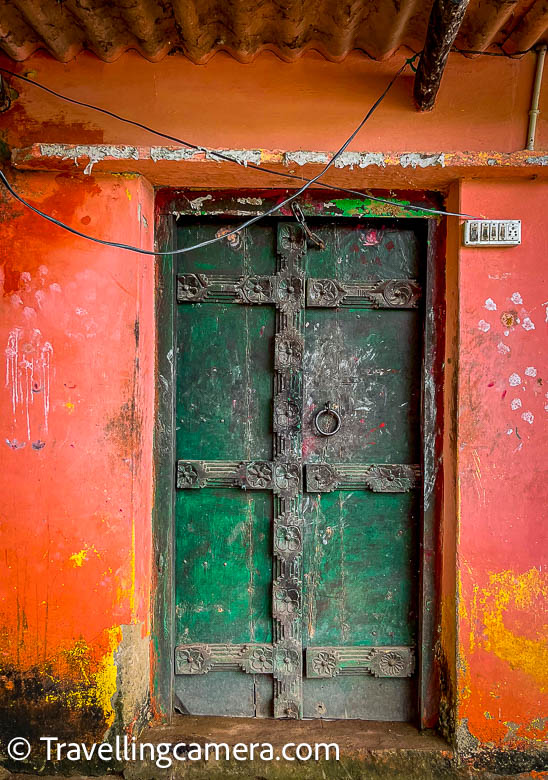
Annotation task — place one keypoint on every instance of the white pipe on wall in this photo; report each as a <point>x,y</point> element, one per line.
<point>534,112</point>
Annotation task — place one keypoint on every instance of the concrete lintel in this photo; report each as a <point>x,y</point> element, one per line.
<point>179,166</point>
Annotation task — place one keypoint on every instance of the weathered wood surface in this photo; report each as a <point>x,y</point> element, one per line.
<point>268,573</point>
<point>445,21</point>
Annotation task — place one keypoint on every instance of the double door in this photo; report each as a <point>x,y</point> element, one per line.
<point>297,446</point>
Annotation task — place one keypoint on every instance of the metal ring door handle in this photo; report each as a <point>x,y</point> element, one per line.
<point>327,411</point>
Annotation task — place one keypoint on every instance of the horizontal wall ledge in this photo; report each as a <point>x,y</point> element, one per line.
<point>181,167</point>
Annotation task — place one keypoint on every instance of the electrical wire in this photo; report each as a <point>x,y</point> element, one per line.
<point>238,229</point>
<point>228,158</point>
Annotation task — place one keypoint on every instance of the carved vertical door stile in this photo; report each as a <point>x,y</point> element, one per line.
<point>287,430</point>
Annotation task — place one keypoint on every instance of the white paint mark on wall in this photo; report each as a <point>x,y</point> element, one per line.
<point>484,326</point>
<point>528,417</point>
<point>530,371</point>
<point>250,201</point>
<point>516,298</point>
<point>503,348</point>
<point>28,366</point>
<point>490,305</point>
<point>527,324</point>
<point>197,203</point>
<point>514,380</point>
<point>516,404</point>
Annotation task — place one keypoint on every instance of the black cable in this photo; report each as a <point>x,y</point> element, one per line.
<point>238,229</point>
<point>492,53</point>
<point>227,157</point>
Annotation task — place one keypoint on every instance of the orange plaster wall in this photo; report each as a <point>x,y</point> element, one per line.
<point>76,411</point>
<point>503,530</point>
<point>311,104</point>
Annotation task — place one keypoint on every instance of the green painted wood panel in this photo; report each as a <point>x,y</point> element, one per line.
<point>360,568</point>
<point>368,363</point>
<point>224,382</point>
<point>224,568</point>
<point>365,250</point>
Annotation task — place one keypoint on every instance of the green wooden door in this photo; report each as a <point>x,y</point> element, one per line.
<point>297,509</point>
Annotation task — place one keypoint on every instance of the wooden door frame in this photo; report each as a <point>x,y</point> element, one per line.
<point>239,205</point>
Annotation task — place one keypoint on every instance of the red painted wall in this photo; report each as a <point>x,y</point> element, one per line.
<point>503,491</point>
<point>76,430</point>
<point>75,523</point>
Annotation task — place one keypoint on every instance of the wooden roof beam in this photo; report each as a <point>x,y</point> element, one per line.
<point>444,23</point>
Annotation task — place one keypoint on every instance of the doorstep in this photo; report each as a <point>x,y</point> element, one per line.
<point>367,750</point>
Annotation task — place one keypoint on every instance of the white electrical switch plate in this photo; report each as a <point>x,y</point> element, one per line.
<point>492,232</point>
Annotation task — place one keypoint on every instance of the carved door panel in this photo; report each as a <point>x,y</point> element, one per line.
<point>297,461</point>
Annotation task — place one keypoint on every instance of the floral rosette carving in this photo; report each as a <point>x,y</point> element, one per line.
<point>287,414</point>
<point>289,351</point>
<point>290,291</point>
<point>287,476</point>
<point>325,664</point>
<point>192,660</point>
<point>321,478</point>
<point>255,289</point>
<point>287,539</point>
<point>260,660</point>
<point>391,664</point>
<point>188,475</point>
<point>258,475</point>
<point>286,601</point>
<point>324,292</point>
<point>287,662</point>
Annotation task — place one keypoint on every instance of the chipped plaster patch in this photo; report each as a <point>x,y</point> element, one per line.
<point>530,371</point>
<point>250,201</point>
<point>490,305</point>
<point>527,324</point>
<point>514,380</point>
<point>516,404</point>
<point>503,348</point>
<point>516,298</point>
<point>360,160</point>
<point>95,153</point>
<point>528,417</point>
<point>306,158</point>
<point>484,326</point>
<point>241,156</point>
<point>541,159</point>
<point>416,160</point>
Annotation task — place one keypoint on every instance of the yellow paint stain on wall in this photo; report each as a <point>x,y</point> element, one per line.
<point>507,593</point>
<point>95,683</point>
<point>70,406</point>
<point>78,558</point>
<point>105,679</point>
<point>128,193</point>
